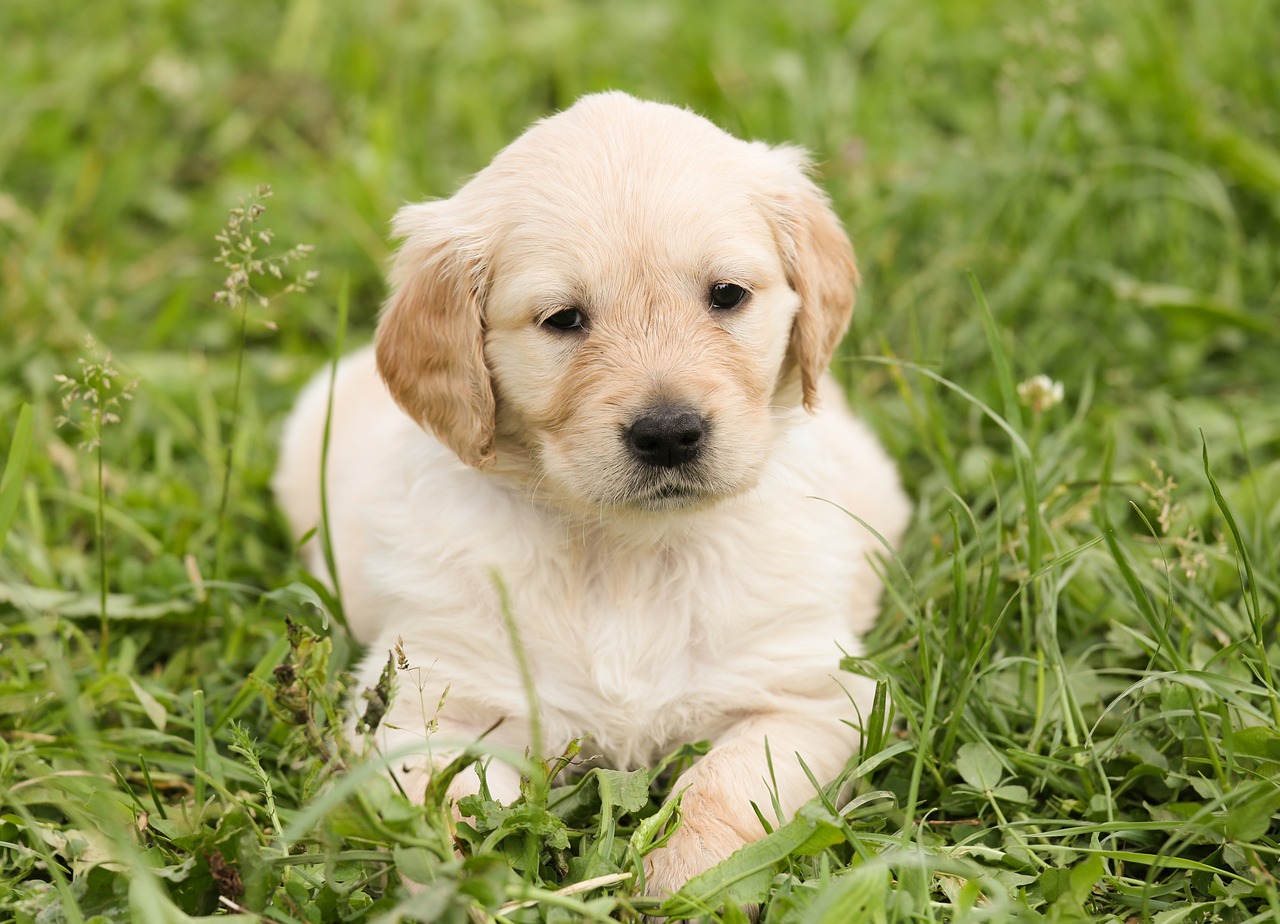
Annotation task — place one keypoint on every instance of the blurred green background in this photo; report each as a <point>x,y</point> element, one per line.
<point>1074,155</point>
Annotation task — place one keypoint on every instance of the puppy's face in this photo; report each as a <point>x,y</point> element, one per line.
<point>617,306</point>
<point>635,347</point>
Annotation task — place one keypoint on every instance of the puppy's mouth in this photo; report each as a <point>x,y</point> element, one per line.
<point>672,495</point>
<point>673,492</point>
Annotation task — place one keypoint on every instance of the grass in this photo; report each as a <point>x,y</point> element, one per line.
<point>1078,646</point>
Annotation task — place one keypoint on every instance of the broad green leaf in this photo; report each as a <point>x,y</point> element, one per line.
<point>150,705</point>
<point>860,896</point>
<point>534,819</point>
<point>417,864</point>
<point>1257,741</point>
<point>599,791</point>
<point>1250,818</point>
<point>978,765</point>
<point>69,603</point>
<point>1011,793</point>
<point>1054,882</point>
<point>1084,876</point>
<point>1179,813</point>
<point>627,789</point>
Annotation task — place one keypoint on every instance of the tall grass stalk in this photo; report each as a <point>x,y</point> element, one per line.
<point>326,535</point>
<point>229,456</point>
<point>91,400</point>
<point>241,244</point>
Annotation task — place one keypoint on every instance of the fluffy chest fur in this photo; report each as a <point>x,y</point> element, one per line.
<point>640,634</point>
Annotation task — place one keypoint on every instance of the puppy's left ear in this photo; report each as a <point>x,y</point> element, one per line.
<point>820,268</point>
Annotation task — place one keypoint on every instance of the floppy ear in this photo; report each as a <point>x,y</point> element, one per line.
<point>430,339</point>
<point>821,269</point>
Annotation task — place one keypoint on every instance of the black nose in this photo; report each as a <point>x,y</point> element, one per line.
<point>666,437</point>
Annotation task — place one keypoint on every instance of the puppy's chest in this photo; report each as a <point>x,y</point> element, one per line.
<point>648,651</point>
<point>636,671</point>
<point>618,620</point>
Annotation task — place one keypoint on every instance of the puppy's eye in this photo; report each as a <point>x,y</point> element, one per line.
<point>726,295</point>
<point>567,319</point>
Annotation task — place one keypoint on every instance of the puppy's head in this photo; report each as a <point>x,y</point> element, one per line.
<point>619,309</point>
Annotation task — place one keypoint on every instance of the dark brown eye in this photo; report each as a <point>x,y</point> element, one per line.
<point>567,319</point>
<point>726,295</point>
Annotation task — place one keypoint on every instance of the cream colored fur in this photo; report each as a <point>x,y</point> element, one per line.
<point>655,608</point>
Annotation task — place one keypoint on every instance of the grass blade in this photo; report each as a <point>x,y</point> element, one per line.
<point>201,735</point>
<point>326,534</point>
<point>1256,617</point>
<point>15,467</point>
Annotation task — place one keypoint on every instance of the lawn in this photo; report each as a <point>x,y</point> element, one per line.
<point>1079,642</point>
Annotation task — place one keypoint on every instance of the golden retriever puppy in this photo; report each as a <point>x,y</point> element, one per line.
<point>598,383</point>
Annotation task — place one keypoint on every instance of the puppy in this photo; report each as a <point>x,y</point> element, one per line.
<point>599,385</point>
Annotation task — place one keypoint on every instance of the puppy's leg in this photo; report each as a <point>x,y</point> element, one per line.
<point>719,788</point>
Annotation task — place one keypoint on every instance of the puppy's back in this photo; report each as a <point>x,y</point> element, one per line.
<point>365,426</point>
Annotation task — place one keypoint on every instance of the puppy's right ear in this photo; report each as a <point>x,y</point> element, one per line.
<point>430,339</point>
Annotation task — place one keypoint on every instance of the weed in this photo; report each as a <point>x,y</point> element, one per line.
<point>91,401</point>
<point>241,243</point>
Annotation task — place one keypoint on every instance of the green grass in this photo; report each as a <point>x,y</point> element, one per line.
<point>1079,639</point>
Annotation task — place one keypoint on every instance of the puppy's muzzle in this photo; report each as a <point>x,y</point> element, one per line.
<point>666,437</point>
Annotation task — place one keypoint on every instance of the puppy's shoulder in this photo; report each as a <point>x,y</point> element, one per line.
<point>841,460</point>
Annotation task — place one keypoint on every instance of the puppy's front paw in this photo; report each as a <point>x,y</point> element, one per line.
<point>701,841</point>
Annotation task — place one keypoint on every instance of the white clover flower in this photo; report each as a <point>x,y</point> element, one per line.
<point>1040,393</point>
<point>175,79</point>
